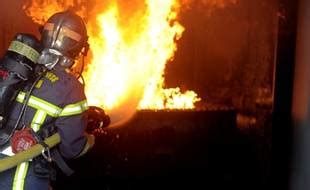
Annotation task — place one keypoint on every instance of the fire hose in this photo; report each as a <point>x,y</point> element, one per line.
<point>97,119</point>
<point>36,150</point>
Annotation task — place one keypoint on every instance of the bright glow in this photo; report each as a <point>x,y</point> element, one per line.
<point>130,45</point>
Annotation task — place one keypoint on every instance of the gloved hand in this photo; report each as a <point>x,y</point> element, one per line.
<point>97,119</point>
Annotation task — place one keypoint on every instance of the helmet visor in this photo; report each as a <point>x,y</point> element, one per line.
<point>62,38</point>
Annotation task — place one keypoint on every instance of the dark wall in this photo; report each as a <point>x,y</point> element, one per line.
<point>12,21</point>
<point>301,140</point>
<point>228,54</point>
<point>282,127</point>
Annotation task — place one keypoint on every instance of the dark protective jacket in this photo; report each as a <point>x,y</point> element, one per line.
<point>57,100</point>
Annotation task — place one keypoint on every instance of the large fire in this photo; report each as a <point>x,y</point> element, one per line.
<point>130,43</point>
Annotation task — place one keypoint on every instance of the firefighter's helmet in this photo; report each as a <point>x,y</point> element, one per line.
<point>64,37</point>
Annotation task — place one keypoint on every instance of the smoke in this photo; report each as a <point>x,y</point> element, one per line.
<point>208,5</point>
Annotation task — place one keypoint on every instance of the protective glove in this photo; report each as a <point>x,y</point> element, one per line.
<point>97,119</point>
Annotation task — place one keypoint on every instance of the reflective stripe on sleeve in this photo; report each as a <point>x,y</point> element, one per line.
<point>74,109</point>
<point>40,104</point>
<point>20,175</point>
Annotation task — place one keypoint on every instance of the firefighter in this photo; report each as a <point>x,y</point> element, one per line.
<point>52,102</point>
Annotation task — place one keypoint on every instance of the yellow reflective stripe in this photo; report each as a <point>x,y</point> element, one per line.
<point>21,169</point>
<point>53,110</point>
<point>73,109</point>
<point>20,175</point>
<point>40,104</point>
<point>38,120</point>
<point>24,50</point>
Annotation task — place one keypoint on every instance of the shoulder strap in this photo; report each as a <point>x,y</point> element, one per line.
<point>45,131</point>
<point>58,159</point>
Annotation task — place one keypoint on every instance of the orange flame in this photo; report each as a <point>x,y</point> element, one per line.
<point>41,10</point>
<point>130,45</point>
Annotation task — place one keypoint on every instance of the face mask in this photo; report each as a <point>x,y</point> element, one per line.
<point>50,57</point>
